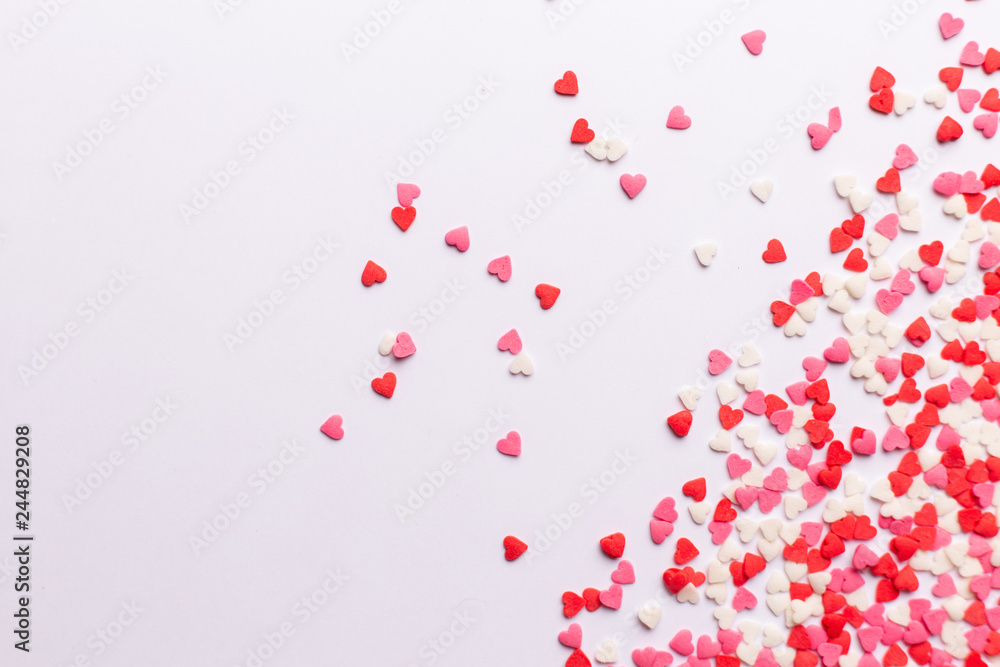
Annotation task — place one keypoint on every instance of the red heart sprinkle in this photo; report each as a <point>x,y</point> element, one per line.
<point>372,273</point>
<point>567,85</point>
<point>775,252</point>
<point>547,295</point>
<point>403,217</point>
<point>385,385</point>
<point>582,134</point>
<point>514,547</point>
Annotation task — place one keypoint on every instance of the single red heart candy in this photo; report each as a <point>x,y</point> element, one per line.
<point>592,598</point>
<point>951,77</point>
<point>856,261</point>
<point>568,84</point>
<point>856,225</point>
<point>992,61</point>
<point>404,217</point>
<point>572,604</point>
<point>775,252</point>
<point>881,79</point>
<point>839,240</point>
<point>582,134</point>
<point>578,659</point>
<point>991,100</point>
<point>782,312</point>
<point>890,182</point>
<point>372,273</point>
<point>931,252</point>
<point>613,545</point>
<point>882,101</point>
<point>547,294</point>
<point>695,489</point>
<point>513,547</point>
<point>949,130</point>
<point>385,385</point>
<point>680,422</point>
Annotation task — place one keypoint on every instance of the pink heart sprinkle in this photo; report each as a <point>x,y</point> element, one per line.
<point>950,26</point>
<point>767,500</point>
<point>665,510</point>
<point>406,193</point>
<point>985,304</point>
<point>905,157</point>
<point>947,437</point>
<point>632,185</point>
<point>820,135</point>
<point>625,574</point>
<point>777,480</point>
<point>839,352</point>
<point>959,390</point>
<point>746,496</point>
<point>333,427</point>
<point>937,476</point>
<point>797,392</point>
<point>946,184</point>
<point>799,456</point>
<point>801,291</point>
<point>869,637</point>
<point>813,493</point>
<point>888,226</point>
<point>971,55</point>
<point>984,492</point>
<point>888,367</point>
<point>980,585</point>
<point>458,237</point>
<point>682,643</point>
<point>676,120</point>
<point>970,183</point>
<point>863,557</point>
<point>510,342</point>
<point>572,637</point>
<point>754,41</point>
<point>945,586</point>
<point>901,283</point>
<point>991,409</point>
<point>511,445</point>
<point>707,648</point>
<point>967,98</point>
<point>500,267</point>
<point>404,346</point>
<point>611,598</point>
<point>888,301</point>
<point>852,581</point>
<point>865,445</point>
<point>718,361</point>
<point>834,119</point>
<point>814,367</point>
<point>933,277</point>
<point>782,420</point>
<point>754,403</point>
<point>720,531</point>
<point>987,124</point>
<point>660,530</point>
<point>729,640</point>
<point>811,531</point>
<point>737,465</point>
<point>989,256</point>
<point>743,599</point>
<point>894,439</point>
<point>830,653</point>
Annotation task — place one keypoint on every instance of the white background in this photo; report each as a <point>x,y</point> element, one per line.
<point>324,176</point>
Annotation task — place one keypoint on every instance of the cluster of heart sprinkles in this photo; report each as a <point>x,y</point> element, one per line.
<point>915,580</point>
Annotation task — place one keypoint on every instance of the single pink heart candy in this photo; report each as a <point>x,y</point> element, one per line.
<point>682,643</point>
<point>967,98</point>
<point>933,277</point>
<point>888,367</point>
<point>888,301</point>
<point>754,41</point>
<point>510,342</point>
<point>632,185</point>
<point>971,55</point>
<point>511,445</point>
<point>665,510</point>
<point>839,352</point>
<point>950,26</point>
<point>718,361</point>
<point>801,291</point>
<point>611,598</point>
<point>333,427</point>
<point>406,193</point>
<point>986,123</point>
<point>901,283</point>
<point>888,226</point>
<point>625,574</point>
<point>865,445</point>
<point>946,184</point>
<point>905,157</point>
<point>676,120</point>
<point>458,237</point>
<point>820,135</point>
<point>737,465</point>
<point>743,599</point>
<point>404,346</point>
<point>500,267</point>
<point>572,637</point>
<point>660,530</point>
<point>754,403</point>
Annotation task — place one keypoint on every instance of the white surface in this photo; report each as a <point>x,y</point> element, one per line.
<point>323,176</point>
